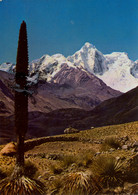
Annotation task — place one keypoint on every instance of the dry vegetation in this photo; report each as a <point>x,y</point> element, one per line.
<point>94,163</point>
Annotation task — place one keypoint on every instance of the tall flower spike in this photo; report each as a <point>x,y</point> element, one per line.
<point>21,98</point>
<point>22,55</point>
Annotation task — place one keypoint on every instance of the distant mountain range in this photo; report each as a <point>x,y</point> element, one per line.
<point>115,69</point>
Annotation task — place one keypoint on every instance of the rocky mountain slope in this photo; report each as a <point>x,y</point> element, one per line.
<point>69,88</point>
<point>117,110</point>
<point>6,94</point>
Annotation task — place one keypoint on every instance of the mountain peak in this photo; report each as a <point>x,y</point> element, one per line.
<point>90,59</point>
<point>89,45</point>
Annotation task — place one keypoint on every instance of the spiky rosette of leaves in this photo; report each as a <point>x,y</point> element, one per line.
<point>21,186</point>
<point>80,183</point>
<point>109,171</point>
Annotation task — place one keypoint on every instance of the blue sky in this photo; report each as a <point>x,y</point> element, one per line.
<point>63,26</point>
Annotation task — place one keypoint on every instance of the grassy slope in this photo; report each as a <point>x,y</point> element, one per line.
<point>40,154</point>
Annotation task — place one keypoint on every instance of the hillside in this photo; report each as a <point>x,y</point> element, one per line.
<point>114,111</point>
<point>118,110</point>
<point>52,159</point>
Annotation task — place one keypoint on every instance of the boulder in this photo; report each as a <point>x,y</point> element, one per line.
<point>118,190</point>
<point>71,130</point>
<point>124,147</point>
<point>135,144</point>
<point>97,153</point>
<point>9,149</point>
<point>131,188</point>
<point>111,149</point>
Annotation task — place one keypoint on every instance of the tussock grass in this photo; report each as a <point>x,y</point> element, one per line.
<point>132,170</point>
<point>30,169</point>
<point>2,174</point>
<point>110,142</point>
<point>23,185</point>
<point>109,171</point>
<point>86,158</point>
<point>82,159</point>
<point>80,183</point>
<point>56,169</point>
<point>67,160</point>
<point>56,187</point>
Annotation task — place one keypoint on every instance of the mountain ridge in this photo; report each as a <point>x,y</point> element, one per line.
<point>115,69</point>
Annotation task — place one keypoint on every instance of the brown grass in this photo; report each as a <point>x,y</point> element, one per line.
<point>80,153</point>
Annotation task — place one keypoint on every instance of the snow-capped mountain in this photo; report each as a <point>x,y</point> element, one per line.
<point>47,67</point>
<point>7,67</point>
<point>134,69</point>
<point>90,59</point>
<point>115,69</point>
<point>121,74</point>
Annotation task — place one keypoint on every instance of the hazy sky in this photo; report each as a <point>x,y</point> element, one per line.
<point>63,26</point>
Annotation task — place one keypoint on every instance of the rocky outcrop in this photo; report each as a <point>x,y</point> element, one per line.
<point>9,149</point>
<point>71,130</point>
